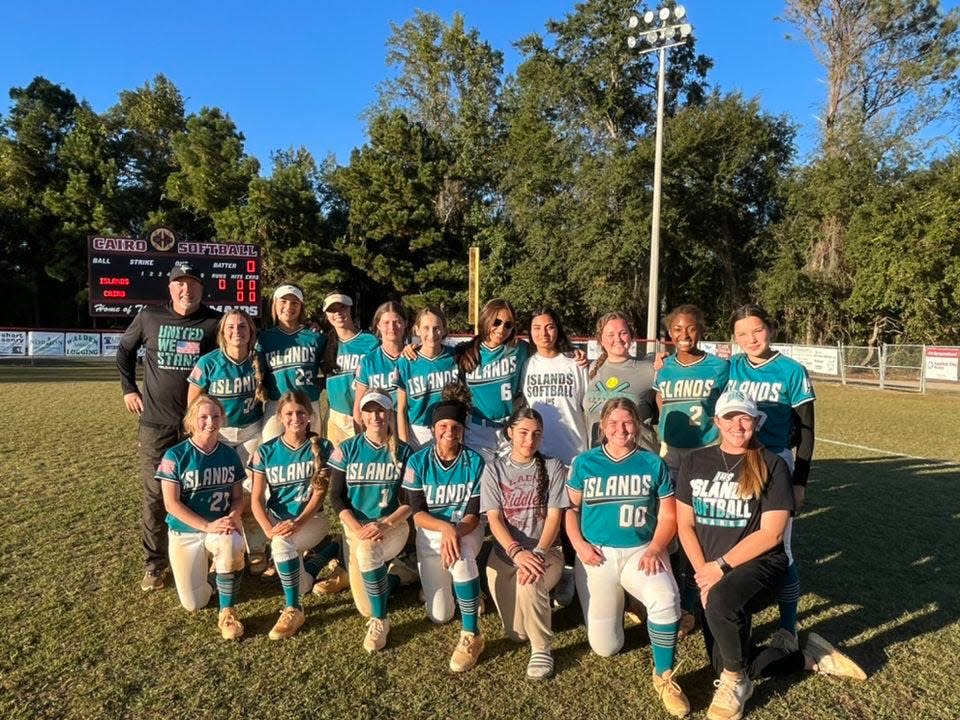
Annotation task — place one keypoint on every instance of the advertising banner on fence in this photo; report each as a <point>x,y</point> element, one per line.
<point>13,342</point>
<point>720,349</point>
<point>109,342</point>
<point>942,363</point>
<point>818,360</point>
<point>46,343</point>
<point>82,344</point>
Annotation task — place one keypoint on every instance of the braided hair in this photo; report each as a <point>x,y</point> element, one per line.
<point>320,481</point>
<point>543,482</point>
<point>601,324</point>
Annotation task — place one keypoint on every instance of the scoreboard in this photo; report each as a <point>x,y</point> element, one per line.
<point>128,273</point>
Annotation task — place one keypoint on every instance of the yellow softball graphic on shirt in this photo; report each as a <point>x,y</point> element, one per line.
<point>612,382</point>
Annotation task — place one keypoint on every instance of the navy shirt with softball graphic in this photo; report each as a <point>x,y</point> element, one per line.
<point>373,476</point>
<point>423,380</point>
<point>232,383</point>
<point>293,359</point>
<point>722,518</point>
<point>206,480</point>
<point>447,491</point>
<point>340,390</point>
<point>778,385</point>
<point>288,472</point>
<point>495,382</point>
<point>689,394</point>
<point>619,497</point>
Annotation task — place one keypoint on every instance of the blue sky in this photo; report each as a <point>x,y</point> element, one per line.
<point>301,73</point>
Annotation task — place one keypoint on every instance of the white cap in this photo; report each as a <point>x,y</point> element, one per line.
<point>335,298</point>
<point>375,396</point>
<point>285,290</point>
<point>734,401</point>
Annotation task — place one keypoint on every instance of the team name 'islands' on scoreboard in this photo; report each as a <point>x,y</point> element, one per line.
<point>128,273</point>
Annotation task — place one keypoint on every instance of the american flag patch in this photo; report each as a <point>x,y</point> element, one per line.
<point>188,347</point>
<point>167,467</point>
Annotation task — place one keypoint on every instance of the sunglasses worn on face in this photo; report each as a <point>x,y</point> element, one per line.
<point>507,324</point>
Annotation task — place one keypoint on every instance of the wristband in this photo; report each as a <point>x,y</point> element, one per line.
<point>514,551</point>
<point>539,552</point>
<point>511,549</point>
<point>724,565</point>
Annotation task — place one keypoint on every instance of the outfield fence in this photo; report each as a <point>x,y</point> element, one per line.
<point>915,368</point>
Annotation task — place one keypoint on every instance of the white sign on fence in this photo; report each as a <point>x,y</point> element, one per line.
<point>82,344</point>
<point>818,360</point>
<point>942,363</point>
<point>13,342</point>
<point>46,343</point>
<point>109,342</point>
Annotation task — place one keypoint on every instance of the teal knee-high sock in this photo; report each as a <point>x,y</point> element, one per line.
<point>468,598</point>
<point>789,599</point>
<point>226,588</point>
<point>663,642</point>
<point>319,559</point>
<point>289,572</point>
<point>375,583</point>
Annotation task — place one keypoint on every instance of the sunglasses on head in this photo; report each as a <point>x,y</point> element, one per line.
<point>507,324</point>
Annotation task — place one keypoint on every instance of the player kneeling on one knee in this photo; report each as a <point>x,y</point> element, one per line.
<point>201,479</point>
<point>733,503</point>
<point>366,473</point>
<point>442,486</point>
<point>523,495</point>
<point>294,468</point>
<point>622,519</point>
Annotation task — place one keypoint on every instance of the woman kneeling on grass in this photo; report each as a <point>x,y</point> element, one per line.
<point>294,468</point>
<point>367,471</point>
<point>523,495</point>
<point>733,503</point>
<point>442,487</point>
<point>202,482</point>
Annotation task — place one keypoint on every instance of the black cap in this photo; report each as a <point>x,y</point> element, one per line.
<point>182,269</point>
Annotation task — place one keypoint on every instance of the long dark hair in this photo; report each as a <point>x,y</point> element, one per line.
<point>750,310</point>
<point>468,358</point>
<point>563,343</point>
<point>543,482</point>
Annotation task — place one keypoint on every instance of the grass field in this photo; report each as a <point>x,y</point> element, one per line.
<point>877,546</point>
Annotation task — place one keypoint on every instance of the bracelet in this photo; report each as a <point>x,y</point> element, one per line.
<point>724,565</point>
<point>509,548</point>
<point>514,551</point>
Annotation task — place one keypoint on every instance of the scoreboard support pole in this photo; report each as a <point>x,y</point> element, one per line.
<point>473,288</point>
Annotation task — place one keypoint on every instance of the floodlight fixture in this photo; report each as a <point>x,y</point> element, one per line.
<point>633,22</point>
<point>648,17</point>
<point>679,12</point>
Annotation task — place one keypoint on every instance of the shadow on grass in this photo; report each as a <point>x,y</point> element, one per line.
<point>878,537</point>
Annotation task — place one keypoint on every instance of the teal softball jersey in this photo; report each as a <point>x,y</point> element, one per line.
<point>423,380</point>
<point>291,361</point>
<point>778,385</point>
<point>378,371</point>
<point>689,394</point>
<point>447,490</point>
<point>373,476</point>
<point>620,497</point>
<point>340,383</point>
<point>496,380</point>
<point>206,480</point>
<point>233,384</point>
<point>288,472</point>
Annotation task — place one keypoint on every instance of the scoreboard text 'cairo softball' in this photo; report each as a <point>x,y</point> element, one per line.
<point>128,273</point>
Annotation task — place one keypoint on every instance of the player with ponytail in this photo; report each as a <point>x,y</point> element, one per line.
<point>367,471</point>
<point>293,466</point>
<point>523,496</point>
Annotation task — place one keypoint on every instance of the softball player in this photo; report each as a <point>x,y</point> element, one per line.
<point>202,493</point>
<point>493,365</point>
<point>293,466</point>
<point>442,487</point>
<point>687,386</point>
<point>555,385</point>
<point>348,344</point>
<point>378,368</point>
<point>230,375</point>
<point>291,355</point>
<point>784,395</point>
<point>420,380</point>
<point>617,375</point>
<point>367,471</point>
<point>622,522</point>
<point>733,505</point>
<point>523,496</point>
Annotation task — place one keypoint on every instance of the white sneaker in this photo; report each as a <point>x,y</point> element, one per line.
<point>729,698</point>
<point>467,652</point>
<point>376,637</point>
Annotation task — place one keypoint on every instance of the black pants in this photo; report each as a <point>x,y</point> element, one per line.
<point>154,441</point>
<point>731,603</point>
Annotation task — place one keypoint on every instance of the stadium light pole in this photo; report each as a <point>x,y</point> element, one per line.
<point>660,31</point>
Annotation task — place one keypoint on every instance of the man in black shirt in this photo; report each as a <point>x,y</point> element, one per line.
<point>174,337</point>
